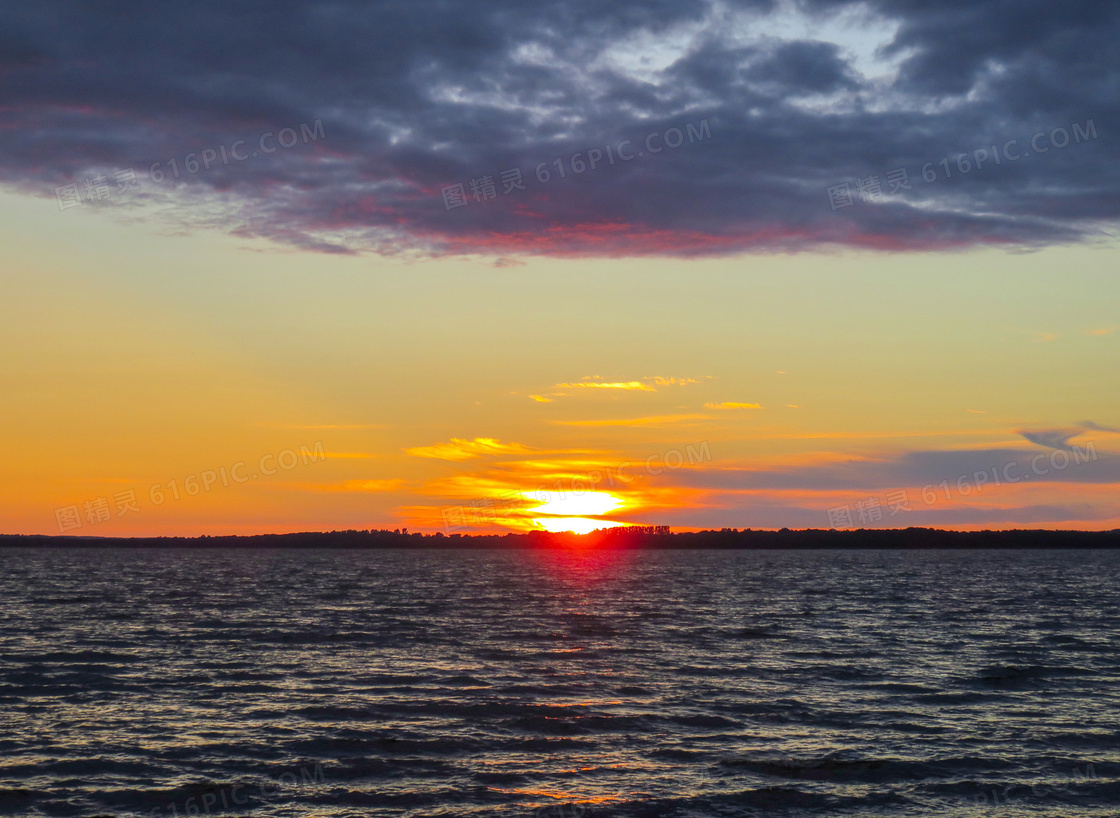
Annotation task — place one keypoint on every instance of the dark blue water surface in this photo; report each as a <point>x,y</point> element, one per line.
<point>378,683</point>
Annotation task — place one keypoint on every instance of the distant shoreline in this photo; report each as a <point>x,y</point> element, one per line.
<point>633,538</point>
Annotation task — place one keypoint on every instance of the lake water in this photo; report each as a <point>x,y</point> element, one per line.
<point>448,683</point>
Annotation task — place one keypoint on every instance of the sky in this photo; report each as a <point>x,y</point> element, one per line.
<point>558,266</point>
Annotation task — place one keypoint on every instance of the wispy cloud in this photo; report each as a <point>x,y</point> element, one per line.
<point>648,384</point>
<point>663,381</point>
<point>732,405</point>
<point>635,385</point>
<point>460,449</point>
<point>654,420</point>
<point>1097,427</point>
<point>512,493</point>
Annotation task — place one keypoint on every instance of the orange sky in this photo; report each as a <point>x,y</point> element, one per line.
<point>756,391</point>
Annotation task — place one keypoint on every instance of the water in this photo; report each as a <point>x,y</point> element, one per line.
<point>377,683</point>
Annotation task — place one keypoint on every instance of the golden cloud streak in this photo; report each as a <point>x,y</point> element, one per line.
<point>654,420</point>
<point>635,385</point>
<point>460,449</point>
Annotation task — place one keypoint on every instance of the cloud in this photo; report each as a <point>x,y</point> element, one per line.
<point>1004,466</point>
<point>643,385</point>
<point>632,385</point>
<point>1059,438</point>
<point>1051,438</point>
<point>541,399</point>
<point>513,493</point>
<point>779,512</point>
<point>1088,424</point>
<point>460,449</point>
<point>773,103</point>
<point>654,420</point>
<point>732,405</point>
<point>663,381</point>
<point>1103,331</point>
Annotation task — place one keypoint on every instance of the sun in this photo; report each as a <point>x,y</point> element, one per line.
<point>572,504</point>
<point>577,525</point>
<point>565,511</point>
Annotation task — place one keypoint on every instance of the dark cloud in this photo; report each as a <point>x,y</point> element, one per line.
<point>1060,438</point>
<point>750,512</point>
<point>416,96</point>
<point>802,67</point>
<point>1082,464</point>
<point>1051,438</point>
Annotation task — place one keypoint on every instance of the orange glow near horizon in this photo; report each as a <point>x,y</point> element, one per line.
<point>689,427</point>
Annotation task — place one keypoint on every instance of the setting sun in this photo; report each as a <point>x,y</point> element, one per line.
<point>559,512</point>
<point>560,409</point>
<point>572,503</point>
<point>577,525</point>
